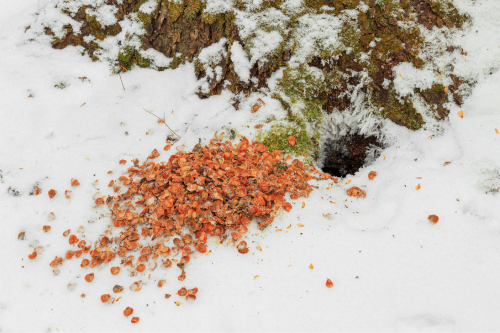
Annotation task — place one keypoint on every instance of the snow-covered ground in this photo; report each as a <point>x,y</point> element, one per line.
<point>392,270</point>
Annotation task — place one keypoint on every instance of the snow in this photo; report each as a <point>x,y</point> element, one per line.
<point>241,63</point>
<point>391,269</point>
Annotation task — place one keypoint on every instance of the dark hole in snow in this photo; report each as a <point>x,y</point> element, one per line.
<point>346,156</point>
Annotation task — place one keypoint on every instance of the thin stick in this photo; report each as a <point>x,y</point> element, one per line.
<point>83,104</point>
<point>151,113</point>
<point>121,80</point>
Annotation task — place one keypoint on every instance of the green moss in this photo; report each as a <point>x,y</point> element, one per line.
<point>449,14</point>
<point>141,61</point>
<point>312,110</point>
<point>95,27</point>
<point>61,85</point>
<point>126,57</point>
<point>175,10</point>
<point>176,61</point>
<point>276,138</point>
<point>403,114</point>
<point>306,82</point>
<point>193,8</point>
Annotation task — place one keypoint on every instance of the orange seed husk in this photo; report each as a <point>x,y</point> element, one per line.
<point>89,277</point>
<point>433,219</point>
<point>128,311</point>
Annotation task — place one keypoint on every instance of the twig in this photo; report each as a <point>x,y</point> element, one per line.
<point>83,104</point>
<point>121,80</point>
<point>151,113</point>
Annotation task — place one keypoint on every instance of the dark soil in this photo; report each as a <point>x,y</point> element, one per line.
<point>348,156</point>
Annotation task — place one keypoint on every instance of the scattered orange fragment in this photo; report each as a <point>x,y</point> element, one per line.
<point>417,187</point>
<point>89,277</point>
<point>105,298</point>
<point>70,254</point>
<point>311,266</point>
<point>128,311</point>
<point>303,204</point>
<point>52,193</point>
<point>258,126</point>
<point>123,161</point>
<point>73,239</point>
<point>134,320</point>
<point>461,114</point>
<point>161,283</point>
<point>46,228</point>
<point>85,263</point>
<point>348,182</point>
<point>255,108</point>
<point>259,248</point>
<point>496,130</point>
<point>32,255</point>
<point>433,219</point>
<point>291,140</point>
<point>329,283</point>
<point>300,225</point>
<point>74,182</point>
<point>356,192</point>
<point>372,175</point>
<point>117,289</point>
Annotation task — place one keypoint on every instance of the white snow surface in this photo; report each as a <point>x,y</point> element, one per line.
<point>391,269</point>
<point>241,62</point>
